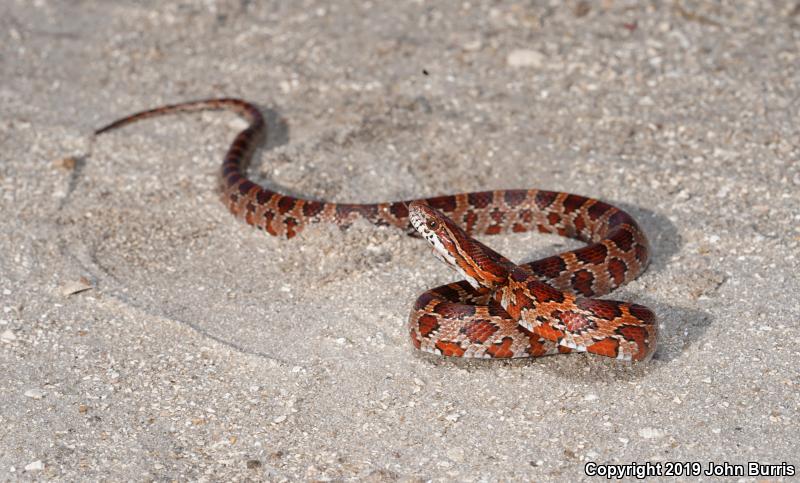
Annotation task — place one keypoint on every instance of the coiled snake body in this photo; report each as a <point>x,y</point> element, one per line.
<point>502,309</point>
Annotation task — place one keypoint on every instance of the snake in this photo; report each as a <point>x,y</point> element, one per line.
<point>500,309</point>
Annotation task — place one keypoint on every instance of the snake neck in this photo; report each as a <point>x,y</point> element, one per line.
<point>477,263</point>
<point>482,266</point>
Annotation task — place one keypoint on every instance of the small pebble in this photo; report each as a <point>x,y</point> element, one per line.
<point>525,58</point>
<point>75,286</point>
<point>453,417</point>
<point>35,466</point>
<point>650,433</point>
<point>456,454</point>
<point>473,45</point>
<point>67,163</point>
<point>7,336</point>
<point>34,393</point>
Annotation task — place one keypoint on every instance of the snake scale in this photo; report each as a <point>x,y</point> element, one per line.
<point>500,310</point>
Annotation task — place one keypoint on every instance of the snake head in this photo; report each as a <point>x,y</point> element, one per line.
<point>439,230</point>
<point>479,264</point>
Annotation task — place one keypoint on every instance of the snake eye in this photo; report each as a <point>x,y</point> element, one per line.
<point>432,224</point>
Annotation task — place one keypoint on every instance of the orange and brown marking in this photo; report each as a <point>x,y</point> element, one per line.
<point>607,347</point>
<point>479,331</point>
<point>502,349</point>
<point>450,349</point>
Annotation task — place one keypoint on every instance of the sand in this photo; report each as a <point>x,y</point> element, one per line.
<point>145,334</point>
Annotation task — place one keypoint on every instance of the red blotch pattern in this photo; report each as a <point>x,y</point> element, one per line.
<point>582,281</point>
<point>502,349</point>
<point>427,324</point>
<point>616,269</point>
<point>449,349</point>
<point>606,347</point>
<point>575,322</point>
<point>637,334</point>
<point>603,309</point>
<point>479,331</point>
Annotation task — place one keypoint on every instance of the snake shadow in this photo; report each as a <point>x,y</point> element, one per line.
<point>680,328</point>
<point>665,239</point>
<point>277,129</point>
<point>278,134</point>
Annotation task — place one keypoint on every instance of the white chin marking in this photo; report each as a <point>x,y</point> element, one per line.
<point>438,248</point>
<point>443,254</point>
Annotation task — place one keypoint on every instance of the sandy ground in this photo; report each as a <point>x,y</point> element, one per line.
<point>205,350</point>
